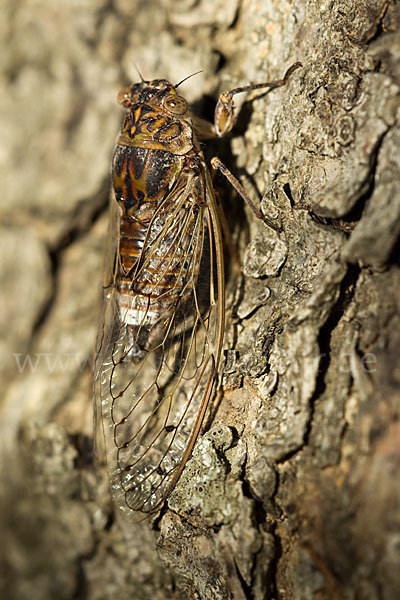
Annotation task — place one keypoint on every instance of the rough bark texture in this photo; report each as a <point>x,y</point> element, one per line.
<point>294,492</point>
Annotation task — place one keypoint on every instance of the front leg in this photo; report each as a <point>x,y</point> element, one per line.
<point>224,116</point>
<point>224,119</point>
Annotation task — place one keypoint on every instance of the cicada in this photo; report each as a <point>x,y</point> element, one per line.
<point>160,339</point>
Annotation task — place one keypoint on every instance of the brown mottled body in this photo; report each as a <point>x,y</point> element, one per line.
<point>155,159</point>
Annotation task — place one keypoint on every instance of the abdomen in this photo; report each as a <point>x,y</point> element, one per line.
<point>156,231</point>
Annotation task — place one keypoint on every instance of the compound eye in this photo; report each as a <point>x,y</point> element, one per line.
<point>175,104</point>
<point>124,97</point>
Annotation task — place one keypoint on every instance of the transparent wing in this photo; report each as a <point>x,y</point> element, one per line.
<point>159,348</point>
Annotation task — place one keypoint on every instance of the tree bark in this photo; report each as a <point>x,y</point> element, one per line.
<point>293,491</point>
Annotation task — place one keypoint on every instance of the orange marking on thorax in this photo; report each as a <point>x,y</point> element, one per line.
<point>137,113</point>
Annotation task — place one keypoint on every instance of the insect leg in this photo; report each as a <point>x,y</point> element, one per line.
<point>224,118</point>
<point>224,111</point>
<point>217,164</point>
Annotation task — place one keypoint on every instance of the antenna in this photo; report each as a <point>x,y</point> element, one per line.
<point>138,72</point>
<point>188,77</point>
